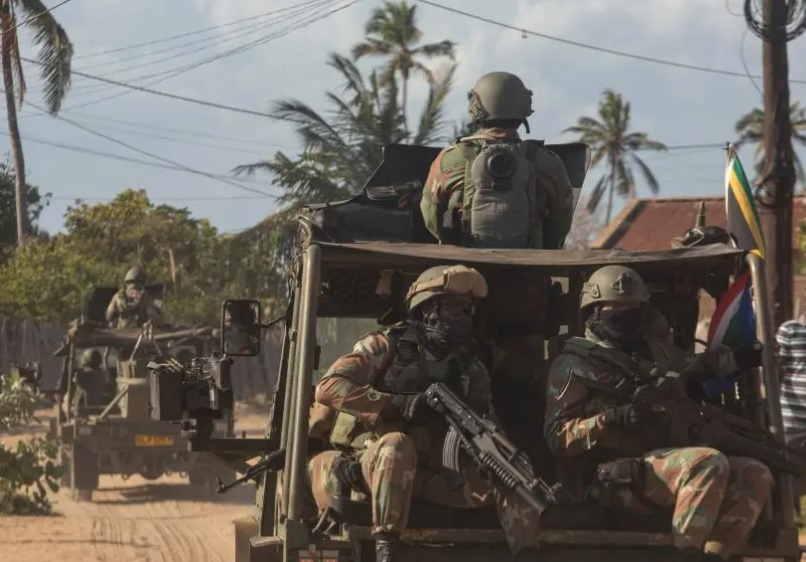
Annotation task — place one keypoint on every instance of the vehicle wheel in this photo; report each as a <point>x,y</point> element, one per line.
<point>82,495</point>
<point>64,462</point>
<point>83,469</point>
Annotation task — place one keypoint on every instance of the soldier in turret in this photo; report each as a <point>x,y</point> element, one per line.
<point>132,305</point>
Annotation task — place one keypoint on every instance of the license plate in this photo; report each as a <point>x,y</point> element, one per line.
<point>153,440</point>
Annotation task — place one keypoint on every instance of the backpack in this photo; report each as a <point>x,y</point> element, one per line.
<point>499,200</point>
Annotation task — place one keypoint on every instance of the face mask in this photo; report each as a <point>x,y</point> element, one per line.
<point>620,324</point>
<point>437,333</point>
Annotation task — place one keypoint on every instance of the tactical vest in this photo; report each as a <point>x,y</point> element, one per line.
<point>635,369</point>
<point>131,314</point>
<point>407,371</point>
<point>498,209</point>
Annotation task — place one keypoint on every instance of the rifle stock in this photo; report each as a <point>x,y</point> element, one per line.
<point>690,423</point>
<point>490,449</point>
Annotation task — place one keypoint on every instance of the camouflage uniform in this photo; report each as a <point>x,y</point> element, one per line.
<point>716,499</point>
<point>399,458</point>
<point>498,103</point>
<point>551,197</point>
<point>132,305</point>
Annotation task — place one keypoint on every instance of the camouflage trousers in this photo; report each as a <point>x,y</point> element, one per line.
<point>716,499</point>
<point>389,468</point>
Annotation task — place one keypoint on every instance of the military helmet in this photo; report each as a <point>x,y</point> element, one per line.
<point>91,358</point>
<point>135,275</point>
<point>614,284</point>
<point>499,95</point>
<point>446,279</point>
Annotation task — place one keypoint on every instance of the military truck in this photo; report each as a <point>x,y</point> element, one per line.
<point>356,261</point>
<point>103,422</point>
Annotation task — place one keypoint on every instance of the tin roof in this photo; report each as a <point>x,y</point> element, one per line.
<point>651,224</point>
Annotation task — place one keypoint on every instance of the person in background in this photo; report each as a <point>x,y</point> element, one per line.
<point>791,340</point>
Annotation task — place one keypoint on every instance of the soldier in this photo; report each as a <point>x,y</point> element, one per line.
<point>91,381</point>
<point>394,439</point>
<point>132,305</point>
<point>603,450</point>
<point>491,189</point>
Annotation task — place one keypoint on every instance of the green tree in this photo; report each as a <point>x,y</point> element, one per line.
<point>32,464</point>
<point>35,203</point>
<point>55,55</point>
<point>611,140</point>
<point>392,32</point>
<point>750,129</point>
<point>51,279</point>
<point>342,149</point>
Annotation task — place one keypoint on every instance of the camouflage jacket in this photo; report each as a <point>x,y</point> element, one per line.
<point>131,308</point>
<point>575,428</point>
<point>553,198</point>
<point>363,412</point>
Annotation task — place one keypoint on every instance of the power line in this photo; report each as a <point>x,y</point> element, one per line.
<point>175,140</point>
<point>151,126</point>
<point>167,74</point>
<point>220,198</point>
<point>306,10</point>
<point>155,156</point>
<point>594,47</point>
<point>85,150</point>
<point>177,97</point>
<point>189,33</point>
<point>32,18</point>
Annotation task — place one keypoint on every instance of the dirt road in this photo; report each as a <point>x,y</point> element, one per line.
<point>131,520</point>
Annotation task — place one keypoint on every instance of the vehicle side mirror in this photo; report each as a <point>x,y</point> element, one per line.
<point>240,327</point>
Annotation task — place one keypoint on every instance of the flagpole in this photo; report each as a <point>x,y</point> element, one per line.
<point>771,393</point>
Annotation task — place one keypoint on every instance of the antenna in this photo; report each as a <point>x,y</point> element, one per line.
<point>700,216</point>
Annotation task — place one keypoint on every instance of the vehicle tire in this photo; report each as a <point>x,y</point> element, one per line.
<point>83,471</point>
<point>64,461</point>
<point>82,495</point>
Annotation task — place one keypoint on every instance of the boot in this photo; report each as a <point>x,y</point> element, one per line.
<point>385,546</point>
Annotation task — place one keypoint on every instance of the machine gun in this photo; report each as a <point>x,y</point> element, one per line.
<point>194,395</point>
<point>685,422</point>
<point>490,449</point>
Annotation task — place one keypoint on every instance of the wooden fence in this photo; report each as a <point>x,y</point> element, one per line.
<point>22,340</point>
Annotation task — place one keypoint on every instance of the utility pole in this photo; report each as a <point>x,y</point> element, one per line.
<point>778,176</point>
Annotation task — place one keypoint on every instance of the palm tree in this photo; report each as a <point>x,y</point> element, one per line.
<point>55,55</point>
<point>610,138</point>
<point>342,149</point>
<point>750,129</point>
<point>392,32</point>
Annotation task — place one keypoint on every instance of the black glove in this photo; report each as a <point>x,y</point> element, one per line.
<point>621,416</point>
<point>412,406</point>
<point>748,356</point>
<point>348,472</point>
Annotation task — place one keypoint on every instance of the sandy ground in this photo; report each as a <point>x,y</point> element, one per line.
<point>132,520</point>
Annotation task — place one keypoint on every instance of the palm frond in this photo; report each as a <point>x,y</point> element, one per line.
<point>595,198</point>
<point>55,52</point>
<point>649,177</point>
<point>432,118</point>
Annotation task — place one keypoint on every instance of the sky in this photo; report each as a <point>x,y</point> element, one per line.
<point>260,51</point>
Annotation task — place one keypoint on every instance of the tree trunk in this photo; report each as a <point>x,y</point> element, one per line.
<point>404,94</point>
<point>14,134</point>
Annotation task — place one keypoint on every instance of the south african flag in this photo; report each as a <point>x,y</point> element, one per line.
<point>744,223</point>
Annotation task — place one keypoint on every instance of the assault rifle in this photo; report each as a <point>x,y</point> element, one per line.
<point>490,449</point>
<point>685,422</point>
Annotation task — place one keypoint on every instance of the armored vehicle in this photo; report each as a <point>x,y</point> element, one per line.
<point>356,261</point>
<point>103,422</point>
